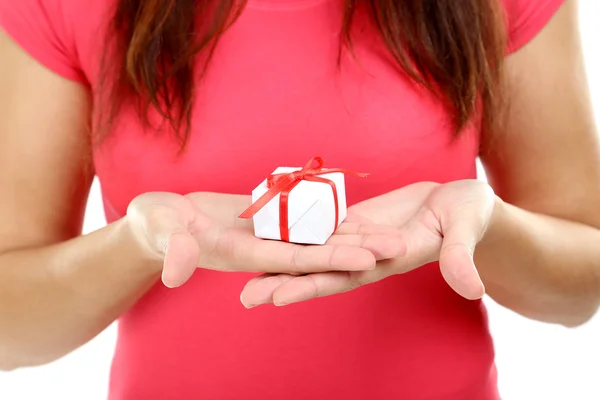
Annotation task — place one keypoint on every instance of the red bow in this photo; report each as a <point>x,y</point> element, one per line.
<point>283,184</point>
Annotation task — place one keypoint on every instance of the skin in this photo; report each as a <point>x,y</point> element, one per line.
<point>536,252</point>
<point>537,236</point>
<point>59,289</point>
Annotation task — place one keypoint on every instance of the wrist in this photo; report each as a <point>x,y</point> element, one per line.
<point>497,222</point>
<point>136,248</point>
<point>486,250</point>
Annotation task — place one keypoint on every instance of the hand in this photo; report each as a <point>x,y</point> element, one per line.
<point>182,233</point>
<point>437,222</point>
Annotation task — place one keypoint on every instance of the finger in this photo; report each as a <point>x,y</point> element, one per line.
<point>312,286</point>
<point>456,257</point>
<point>356,218</point>
<point>383,247</point>
<point>168,234</point>
<point>285,289</point>
<point>260,290</point>
<point>181,259</point>
<point>241,251</point>
<point>261,277</point>
<point>365,228</point>
<point>161,221</point>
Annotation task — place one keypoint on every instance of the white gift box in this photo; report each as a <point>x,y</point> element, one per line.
<point>311,209</point>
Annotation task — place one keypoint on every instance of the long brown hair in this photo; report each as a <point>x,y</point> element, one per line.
<point>454,48</point>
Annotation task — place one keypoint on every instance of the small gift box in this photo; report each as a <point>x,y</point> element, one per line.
<point>300,205</point>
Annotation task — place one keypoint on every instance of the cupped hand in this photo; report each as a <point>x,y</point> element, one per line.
<point>437,222</point>
<point>202,230</point>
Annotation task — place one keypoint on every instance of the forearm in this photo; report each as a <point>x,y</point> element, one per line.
<point>541,267</point>
<point>56,298</point>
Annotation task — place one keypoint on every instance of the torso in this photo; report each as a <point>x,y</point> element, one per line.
<point>273,96</point>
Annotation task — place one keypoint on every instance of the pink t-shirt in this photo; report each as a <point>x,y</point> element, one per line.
<point>273,96</point>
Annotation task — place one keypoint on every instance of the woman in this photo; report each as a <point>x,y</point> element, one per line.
<point>182,107</point>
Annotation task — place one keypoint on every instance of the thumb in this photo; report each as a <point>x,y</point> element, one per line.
<point>456,256</point>
<point>181,258</point>
<point>160,222</point>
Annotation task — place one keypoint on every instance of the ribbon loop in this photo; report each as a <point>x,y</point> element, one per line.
<point>283,184</point>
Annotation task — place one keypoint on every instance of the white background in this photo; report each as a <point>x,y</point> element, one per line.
<point>535,361</point>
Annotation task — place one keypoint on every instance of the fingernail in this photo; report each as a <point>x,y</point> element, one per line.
<point>168,285</point>
<point>248,306</point>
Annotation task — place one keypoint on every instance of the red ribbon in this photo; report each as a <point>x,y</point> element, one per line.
<point>283,184</point>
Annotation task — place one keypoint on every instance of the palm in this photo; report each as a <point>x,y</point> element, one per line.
<point>437,222</point>
<point>202,229</point>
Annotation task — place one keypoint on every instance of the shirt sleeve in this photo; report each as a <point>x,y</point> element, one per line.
<point>40,29</point>
<point>526,18</point>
